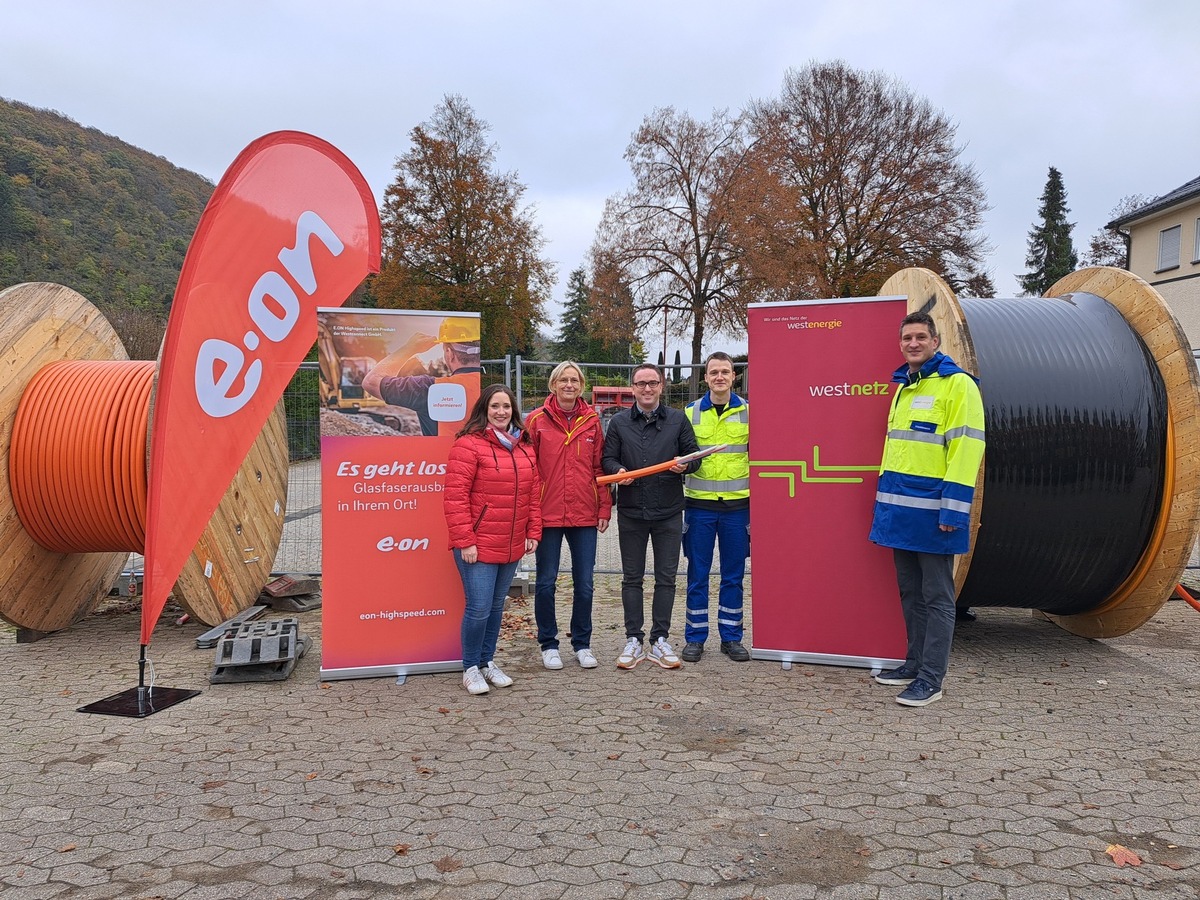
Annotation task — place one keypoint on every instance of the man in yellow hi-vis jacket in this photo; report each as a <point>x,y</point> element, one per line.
<point>931,457</point>
<point>717,511</point>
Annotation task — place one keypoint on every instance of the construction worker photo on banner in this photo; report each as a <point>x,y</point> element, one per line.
<point>434,375</point>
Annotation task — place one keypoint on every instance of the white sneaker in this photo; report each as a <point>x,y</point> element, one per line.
<point>494,676</point>
<point>586,658</point>
<point>474,682</point>
<point>631,655</point>
<point>551,659</point>
<point>661,653</point>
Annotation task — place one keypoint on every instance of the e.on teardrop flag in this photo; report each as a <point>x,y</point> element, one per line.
<point>292,226</point>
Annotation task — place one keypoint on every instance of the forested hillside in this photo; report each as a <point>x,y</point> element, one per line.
<point>87,210</point>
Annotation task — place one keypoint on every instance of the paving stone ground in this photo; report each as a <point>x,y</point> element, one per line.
<point>717,780</point>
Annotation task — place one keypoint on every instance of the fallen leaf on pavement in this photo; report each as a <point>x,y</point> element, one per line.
<point>1123,856</point>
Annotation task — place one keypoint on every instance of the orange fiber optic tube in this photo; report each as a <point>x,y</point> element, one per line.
<point>77,462</point>
<point>660,467</point>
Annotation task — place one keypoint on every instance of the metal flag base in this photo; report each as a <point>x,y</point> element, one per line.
<point>138,702</point>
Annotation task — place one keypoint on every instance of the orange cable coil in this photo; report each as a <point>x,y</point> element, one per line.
<point>77,462</point>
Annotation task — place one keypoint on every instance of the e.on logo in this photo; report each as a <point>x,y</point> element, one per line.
<point>219,362</point>
<point>390,543</point>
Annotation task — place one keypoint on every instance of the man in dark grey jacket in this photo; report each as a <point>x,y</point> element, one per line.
<point>649,509</point>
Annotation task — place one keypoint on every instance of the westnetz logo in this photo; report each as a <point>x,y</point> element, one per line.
<point>872,389</point>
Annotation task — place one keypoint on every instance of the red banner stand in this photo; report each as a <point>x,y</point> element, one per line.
<point>822,593</point>
<point>392,600</point>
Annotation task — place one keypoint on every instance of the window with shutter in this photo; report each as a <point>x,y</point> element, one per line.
<point>1168,248</point>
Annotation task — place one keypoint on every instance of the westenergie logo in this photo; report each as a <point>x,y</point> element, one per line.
<point>806,324</point>
<point>872,389</point>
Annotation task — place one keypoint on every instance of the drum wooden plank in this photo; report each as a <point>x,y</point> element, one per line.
<point>232,561</point>
<point>1148,314</point>
<point>42,323</point>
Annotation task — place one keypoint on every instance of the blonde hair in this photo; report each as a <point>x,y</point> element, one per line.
<point>558,371</point>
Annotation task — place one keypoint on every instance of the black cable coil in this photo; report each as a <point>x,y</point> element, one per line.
<point>1076,420</point>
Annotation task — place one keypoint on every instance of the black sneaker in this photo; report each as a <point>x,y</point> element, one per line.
<point>900,675</point>
<point>692,652</point>
<point>735,651</point>
<point>919,693</point>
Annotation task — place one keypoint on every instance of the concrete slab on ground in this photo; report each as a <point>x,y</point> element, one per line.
<point>716,780</point>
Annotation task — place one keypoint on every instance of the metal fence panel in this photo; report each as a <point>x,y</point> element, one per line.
<point>300,547</point>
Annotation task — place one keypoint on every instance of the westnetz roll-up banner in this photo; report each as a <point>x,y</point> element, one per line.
<point>822,379</point>
<point>391,596</point>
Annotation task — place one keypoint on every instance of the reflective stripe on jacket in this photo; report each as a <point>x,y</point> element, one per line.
<point>724,475</point>
<point>931,458</point>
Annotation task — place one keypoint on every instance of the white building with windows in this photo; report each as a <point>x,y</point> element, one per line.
<point>1163,241</point>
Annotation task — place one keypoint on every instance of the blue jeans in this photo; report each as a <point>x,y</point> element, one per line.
<point>926,582</point>
<point>633,535</point>
<point>582,541</point>
<point>486,588</point>
<point>702,529</point>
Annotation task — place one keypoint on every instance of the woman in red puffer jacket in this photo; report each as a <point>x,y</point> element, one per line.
<point>493,512</point>
<point>569,441</point>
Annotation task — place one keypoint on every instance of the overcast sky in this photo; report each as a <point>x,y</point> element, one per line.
<point>1104,90</point>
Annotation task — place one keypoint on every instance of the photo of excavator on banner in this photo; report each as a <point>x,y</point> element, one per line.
<point>341,384</point>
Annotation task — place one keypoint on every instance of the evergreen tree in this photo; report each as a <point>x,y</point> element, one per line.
<point>574,338</point>
<point>1051,254</point>
<point>577,336</point>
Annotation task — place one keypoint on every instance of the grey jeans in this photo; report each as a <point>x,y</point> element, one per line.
<point>926,582</point>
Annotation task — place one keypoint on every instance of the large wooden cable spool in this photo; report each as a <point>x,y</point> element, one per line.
<point>1153,582</point>
<point>1172,510</point>
<point>44,590</point>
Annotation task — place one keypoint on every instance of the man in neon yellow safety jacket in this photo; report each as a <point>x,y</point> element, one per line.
<point>931,458</point>
<point>717,510</point>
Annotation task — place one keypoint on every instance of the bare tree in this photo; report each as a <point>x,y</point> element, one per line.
<point>455,236</point>
<point>141,329</point>
<point>850,177</point>
<point>663,248</point>
<point>1107,246</point>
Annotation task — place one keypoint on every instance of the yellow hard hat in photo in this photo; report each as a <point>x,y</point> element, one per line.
<point>458,330</point>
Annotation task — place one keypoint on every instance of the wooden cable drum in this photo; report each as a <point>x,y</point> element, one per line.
<point>1086,509</point>
<point>74,417</point>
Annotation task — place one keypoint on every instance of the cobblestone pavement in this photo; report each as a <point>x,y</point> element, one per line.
<point>720,779</point>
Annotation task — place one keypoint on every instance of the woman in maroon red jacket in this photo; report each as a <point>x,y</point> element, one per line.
<point>493,512</point>
<point>568,438</point>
